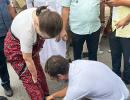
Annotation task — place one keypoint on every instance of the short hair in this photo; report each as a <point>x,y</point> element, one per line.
<point>49,21</point>
<point>57,65</point>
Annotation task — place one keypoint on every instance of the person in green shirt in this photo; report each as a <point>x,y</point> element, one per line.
<point>85,24</point>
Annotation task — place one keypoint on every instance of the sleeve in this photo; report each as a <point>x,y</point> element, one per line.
<point>74,93</point>
<point>29,3</point>
<point>26,42</point>
<point>66,3</point>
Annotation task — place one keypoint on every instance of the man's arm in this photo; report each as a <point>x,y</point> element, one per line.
<point>102,11</point>
<point>118,2</point>
<point>123,22</point>
<point>59,94</point>
<point>65,17</point>
<point>11,11</point>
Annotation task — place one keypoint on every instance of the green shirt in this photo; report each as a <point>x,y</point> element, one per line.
<point>84,15</point>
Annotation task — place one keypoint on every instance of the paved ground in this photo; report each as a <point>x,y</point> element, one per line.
<point>19,92</point>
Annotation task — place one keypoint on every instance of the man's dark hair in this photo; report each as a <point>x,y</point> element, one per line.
<point>56,65</point>
<point>49,21</point>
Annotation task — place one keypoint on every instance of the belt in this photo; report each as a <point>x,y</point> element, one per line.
<point>13,34</point>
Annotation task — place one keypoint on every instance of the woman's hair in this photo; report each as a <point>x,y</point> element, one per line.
<point>57,65</point>
<point>49,21</point>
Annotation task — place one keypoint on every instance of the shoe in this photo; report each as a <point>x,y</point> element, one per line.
<point>109,51</point>
<point>3,98</point>
<point>8,91</point>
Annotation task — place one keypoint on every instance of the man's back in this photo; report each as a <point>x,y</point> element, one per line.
<point>94,80</point>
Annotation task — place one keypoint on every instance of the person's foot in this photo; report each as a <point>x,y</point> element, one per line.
<point>109,51</point>
<point>3,98</point>
<point>8,91</point>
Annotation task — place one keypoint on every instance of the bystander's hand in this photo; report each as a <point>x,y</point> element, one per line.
<point>122,23</point>
<point>63,35</point>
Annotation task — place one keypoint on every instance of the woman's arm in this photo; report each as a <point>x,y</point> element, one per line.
<point>65,16</point>
<point>30,65</point>
<point>118,2</point>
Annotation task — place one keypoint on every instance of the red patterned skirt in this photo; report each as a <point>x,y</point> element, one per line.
<point>36,91</point>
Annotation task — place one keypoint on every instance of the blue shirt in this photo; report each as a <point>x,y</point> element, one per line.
<point>84,15</point>
<point>5,18</point>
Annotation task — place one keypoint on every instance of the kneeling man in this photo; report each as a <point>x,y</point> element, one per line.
<point>86,79</point>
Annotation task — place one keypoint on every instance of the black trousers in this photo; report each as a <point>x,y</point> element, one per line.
<point>92,44</point>
<point>119,46</point>
<point>3,66</point>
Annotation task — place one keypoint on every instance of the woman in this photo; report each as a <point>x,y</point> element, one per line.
<point>23,43</point>
<point>48,49</point>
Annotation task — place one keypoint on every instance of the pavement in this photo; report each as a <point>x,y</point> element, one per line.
<point>19,91</point>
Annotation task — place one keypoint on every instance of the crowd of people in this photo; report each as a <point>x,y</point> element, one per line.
<point>34,36</point>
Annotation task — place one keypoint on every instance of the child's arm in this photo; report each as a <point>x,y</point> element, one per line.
<point>123,22</point>
<point>30,65</point>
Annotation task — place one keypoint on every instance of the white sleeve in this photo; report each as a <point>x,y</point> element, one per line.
<point>29,3</point>
<point>74,93</point>
<point>26,42</point>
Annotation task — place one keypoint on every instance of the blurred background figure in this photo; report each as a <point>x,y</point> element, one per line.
<point>19,5</point>
<point>7,13</point>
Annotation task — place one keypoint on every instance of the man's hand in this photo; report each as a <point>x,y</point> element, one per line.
<point>51,97</point>
<point>122,23</point>
<point>63,35</point>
